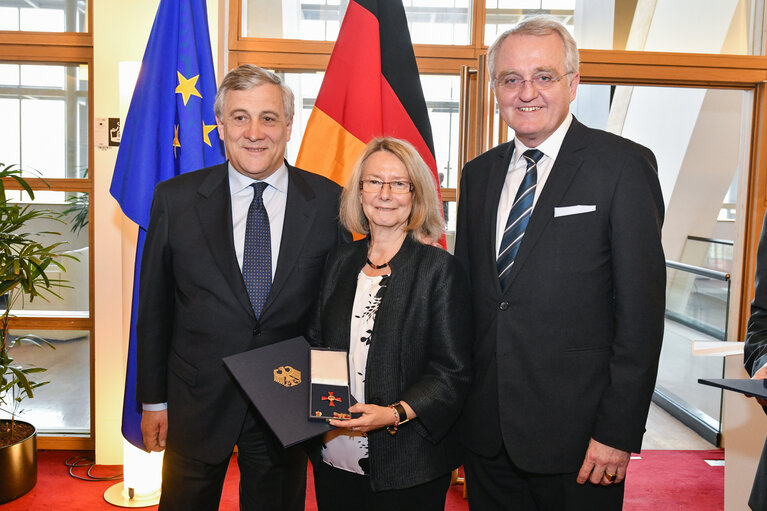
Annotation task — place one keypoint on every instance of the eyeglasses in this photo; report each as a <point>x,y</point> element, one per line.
<point>541,81</point>
<point>376,185</point>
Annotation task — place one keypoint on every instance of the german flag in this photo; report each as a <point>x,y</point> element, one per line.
<point>371,89</point>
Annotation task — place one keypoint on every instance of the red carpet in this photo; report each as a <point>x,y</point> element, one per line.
<point>660,481</point>
<point>665,480</point>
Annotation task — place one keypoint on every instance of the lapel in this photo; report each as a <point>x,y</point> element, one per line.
<point>344,290</point>
<point>214,212</point>
<point>299,214</point>
<point>498,170</point>
<point>569,160</point>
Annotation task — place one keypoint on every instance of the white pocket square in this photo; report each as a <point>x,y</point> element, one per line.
<point>574,210</point>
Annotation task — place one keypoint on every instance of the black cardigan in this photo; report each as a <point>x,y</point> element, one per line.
<point>420,353</point>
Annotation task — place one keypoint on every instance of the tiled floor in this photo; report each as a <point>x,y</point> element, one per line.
<point>665,432</point>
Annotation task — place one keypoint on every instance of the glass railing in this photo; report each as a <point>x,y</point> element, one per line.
<point>710,253</point>
<point>698,298</point>
<point>697,307</point>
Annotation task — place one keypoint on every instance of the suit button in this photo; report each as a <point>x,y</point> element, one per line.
<point>503,306</point>
<point>256,331</point>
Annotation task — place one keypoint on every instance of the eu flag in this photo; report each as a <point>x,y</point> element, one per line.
<point>170,129</point>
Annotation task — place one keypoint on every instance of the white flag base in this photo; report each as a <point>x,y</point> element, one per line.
<point>118,495</point>
<point>142,479</point>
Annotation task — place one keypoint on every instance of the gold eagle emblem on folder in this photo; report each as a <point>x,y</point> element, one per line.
<point>287,376</point>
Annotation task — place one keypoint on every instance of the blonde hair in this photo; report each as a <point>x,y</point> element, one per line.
<point>425,216</point>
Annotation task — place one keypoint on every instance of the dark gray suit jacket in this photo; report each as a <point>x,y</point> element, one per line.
<point>755,356</point>
<point>419,353</point>
<point>570,349</point>
<point>194,309</point>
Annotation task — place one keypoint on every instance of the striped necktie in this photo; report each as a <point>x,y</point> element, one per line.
<point>257,257</point>
<point>519,216</point>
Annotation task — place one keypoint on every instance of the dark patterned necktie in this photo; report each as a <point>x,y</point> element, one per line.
<point>519,216</point>
<point>257,257</point>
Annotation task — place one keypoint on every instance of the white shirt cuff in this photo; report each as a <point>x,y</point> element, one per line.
<point>154,407</point>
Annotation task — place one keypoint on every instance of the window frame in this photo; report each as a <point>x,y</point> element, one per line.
<point>67,48</point>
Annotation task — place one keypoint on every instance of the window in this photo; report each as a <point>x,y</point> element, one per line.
<point>47,106</point>
<point>44,15</point>
<point>430,21</point>
<point>45,92</point>
<point>711,26</point>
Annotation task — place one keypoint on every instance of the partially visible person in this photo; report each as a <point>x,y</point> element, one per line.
<point>232,261</point>
<point>560,231</point>
<point>401,309</point>
<point>755,359</point>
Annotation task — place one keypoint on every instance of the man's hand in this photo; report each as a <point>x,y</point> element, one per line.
<point>601,463</point>
<point>425,240</point>
<point>761,374</point>
<point>154,429</point>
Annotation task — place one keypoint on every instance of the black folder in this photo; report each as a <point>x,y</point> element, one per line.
<point>276,379</point>
<point>757,388</point>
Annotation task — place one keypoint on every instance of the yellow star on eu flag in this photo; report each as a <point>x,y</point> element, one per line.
<point>187,87</point>
<point>206,129</point>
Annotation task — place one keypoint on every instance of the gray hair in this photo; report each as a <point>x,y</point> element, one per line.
<point>246,77</point>
<point>540,26</point>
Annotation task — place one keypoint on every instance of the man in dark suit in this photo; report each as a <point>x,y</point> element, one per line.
<point>755,359</point>
<point>560,233</point>
<point>232,262</point>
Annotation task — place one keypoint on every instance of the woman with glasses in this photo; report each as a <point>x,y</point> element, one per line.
<point>401,309</point>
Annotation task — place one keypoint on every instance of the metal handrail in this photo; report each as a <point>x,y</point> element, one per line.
<point>705,272</point>
<point>711,240</point>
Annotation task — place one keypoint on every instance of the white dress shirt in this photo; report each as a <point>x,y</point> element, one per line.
<point>275,201</point>
<point>515,174</point>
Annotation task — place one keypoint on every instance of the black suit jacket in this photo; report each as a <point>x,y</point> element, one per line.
<point>755,356</point>
<point>570,349</point>
<point>194,309</point>
<point>419,353</point>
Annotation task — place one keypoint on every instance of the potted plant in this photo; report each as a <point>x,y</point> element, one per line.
<point>24,260</point>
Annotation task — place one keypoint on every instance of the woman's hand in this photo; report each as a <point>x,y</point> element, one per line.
<point>373,417</point>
